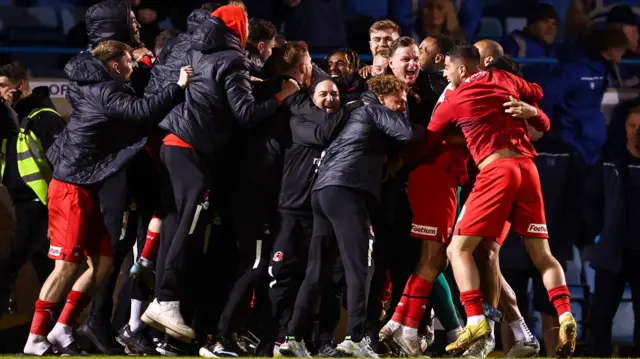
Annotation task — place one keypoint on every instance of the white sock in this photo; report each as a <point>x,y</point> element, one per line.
<point>492,324</point>
<point>410,332</point>
<point>36,345</point>
<point>564,315</point>
<point>61,335</point>
<point>520,330</point>
<point>475,319</point>
<point>135,323</point>
<point>452,335</point>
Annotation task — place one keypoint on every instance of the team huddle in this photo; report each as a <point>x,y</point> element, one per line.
<point>319,175</point>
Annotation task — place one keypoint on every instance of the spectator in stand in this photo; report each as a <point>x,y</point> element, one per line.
<point>622,17</point>
<point>574,90</point>
<point>582,15</point>
<point>469,15</point>
<point>615,209</point>
<point>535,40</point>
<point>439,18</point>
<point>260,44</point>
<point>433,51</point>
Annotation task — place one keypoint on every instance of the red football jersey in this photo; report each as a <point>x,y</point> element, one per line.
<point>476,106</point>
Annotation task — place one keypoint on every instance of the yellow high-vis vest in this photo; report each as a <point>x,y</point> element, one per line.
<point>32,163</point>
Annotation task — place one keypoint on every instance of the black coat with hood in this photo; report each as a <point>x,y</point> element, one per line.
<point>356,157</point>
<point>219,95</point>
<point>166,68</point>
<point>111,20</point>
<point>108,124</point>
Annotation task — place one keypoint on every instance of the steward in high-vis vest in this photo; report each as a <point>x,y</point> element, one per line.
<point>25,172</point>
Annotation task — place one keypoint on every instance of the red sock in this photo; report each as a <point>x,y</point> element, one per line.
<point>151,245</point>
<point>561,299</point>
<point>472,301</point>
<point>42,316</point>
<point>76,302</point>
<point>414,302</point>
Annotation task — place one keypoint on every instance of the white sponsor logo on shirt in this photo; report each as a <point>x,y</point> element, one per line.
<point>55,251</point>
<point>425,230</point>
<point>537,228</point>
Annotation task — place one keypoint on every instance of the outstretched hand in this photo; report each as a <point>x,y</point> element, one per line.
<point>520,109</point>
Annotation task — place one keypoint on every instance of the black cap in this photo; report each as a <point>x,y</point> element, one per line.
<point>622,14</point>
<point>542,12</point>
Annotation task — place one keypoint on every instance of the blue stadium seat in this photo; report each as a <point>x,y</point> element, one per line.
<point>166,24</point>
<point>574,269</point>
<point>577,308</point>
<point>71,17</point>
<point>515,23</point>
<point>589,275</point>
<point>42,16</point>
<point>490,27</point>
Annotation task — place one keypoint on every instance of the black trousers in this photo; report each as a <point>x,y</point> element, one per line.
<point>29,242</point>
<point>185,196</point>
<point>340,215</point>
<point>253,214</point>
<point>609,288</point>
<point>128,202</point>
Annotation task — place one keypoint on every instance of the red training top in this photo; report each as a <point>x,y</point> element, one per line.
<point>477,107</point>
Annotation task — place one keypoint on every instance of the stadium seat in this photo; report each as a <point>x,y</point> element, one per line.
<point>71,17</point>
<point>589,275</point>
<point>166,24</point>
<point>515,23</point>
<point>574,269</point>
<point>490,27</point>
<point>43,16</point>
<point>578,309</point>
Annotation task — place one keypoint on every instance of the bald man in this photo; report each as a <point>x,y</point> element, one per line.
<point>489,50</point>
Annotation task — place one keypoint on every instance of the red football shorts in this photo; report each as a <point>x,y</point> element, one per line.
<point>76,224</point>
<point>433,195</point>
<point>507,189</point>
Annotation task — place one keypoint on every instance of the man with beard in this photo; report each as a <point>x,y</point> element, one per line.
<point>433,51</point>
<point>199,131</point>
<point>344,197</point>
<point>260,44</point>
<point>312,131</point>
<point>114,20</point>
<point>342,65</point>
<point>253,193</point>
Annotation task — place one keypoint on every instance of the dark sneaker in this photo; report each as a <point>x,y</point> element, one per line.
<point>136,342</point>
<point>377,346</point>
<point>101,338</point>
<point>71,350</point>
<point>327,350</point>
<point>173,347</point>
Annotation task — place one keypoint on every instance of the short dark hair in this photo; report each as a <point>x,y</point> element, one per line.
<point>210,6</point>
<point>445,43</point>
<point>164,37</point>
<point>505,63</point>
<point>260,30</point>
<point>353,60</point>
<point>401,42</point>
<point>465,52</point>
<point>14,71</point>
<point>611,37</point>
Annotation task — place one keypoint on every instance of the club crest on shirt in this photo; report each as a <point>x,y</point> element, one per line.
<point>278,256</point>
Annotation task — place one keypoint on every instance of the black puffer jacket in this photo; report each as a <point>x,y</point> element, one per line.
<point>219,95</point>
<point>108,124</point>
<point>109,20</point>
<point>166,68</point>
<point>356,157</point>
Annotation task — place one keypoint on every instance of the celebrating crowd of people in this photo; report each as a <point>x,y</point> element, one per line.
<point>274,192</point>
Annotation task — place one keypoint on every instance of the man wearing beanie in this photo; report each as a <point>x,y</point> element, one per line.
<point>199,130</point>
<point>535,40</point>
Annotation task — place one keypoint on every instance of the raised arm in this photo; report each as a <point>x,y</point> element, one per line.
<point>118,103</point>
